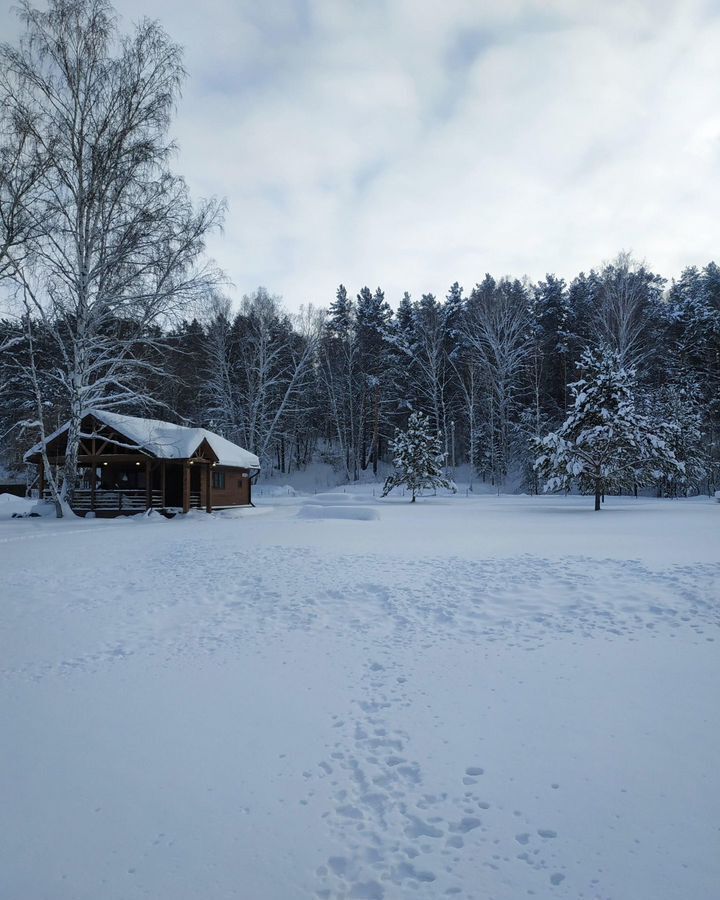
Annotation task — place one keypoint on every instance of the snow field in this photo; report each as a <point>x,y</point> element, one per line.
<point>487,698</point>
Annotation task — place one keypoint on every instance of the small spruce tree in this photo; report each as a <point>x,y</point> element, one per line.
<point>418,458</point>
<point>605,443</point>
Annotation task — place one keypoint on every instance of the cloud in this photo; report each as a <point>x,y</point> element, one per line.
<point>408,144</point>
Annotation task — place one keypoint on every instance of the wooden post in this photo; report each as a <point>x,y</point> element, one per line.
<point>162,482</point>
<point>93,478</point>
<point>208,488</point>
<point>148,485</point>
<point>41,485</point>
<point>186,488</point>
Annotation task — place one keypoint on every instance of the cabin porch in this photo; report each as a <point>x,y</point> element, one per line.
<point>127,487</point>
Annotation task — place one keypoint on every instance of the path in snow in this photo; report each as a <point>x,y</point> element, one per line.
<point>174,600</point>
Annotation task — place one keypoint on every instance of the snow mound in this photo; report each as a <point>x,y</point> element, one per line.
<point>195,515</point>
<point>335,511</point>
<point>22,507</point>
<point>332,497</point>
<point>153,516</point>
<point>242,512</point>
<point>10,504</point>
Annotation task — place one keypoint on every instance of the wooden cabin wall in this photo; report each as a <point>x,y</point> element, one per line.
<point>236,491</point>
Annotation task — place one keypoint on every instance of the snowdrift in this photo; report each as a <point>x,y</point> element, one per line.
<point>9,504</point>
<point>333,497</point>
<point>336,511</point>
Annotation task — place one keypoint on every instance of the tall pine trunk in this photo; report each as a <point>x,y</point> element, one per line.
<point>376,430</point>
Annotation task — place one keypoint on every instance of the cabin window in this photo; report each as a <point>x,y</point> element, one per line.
<point>218,479</point>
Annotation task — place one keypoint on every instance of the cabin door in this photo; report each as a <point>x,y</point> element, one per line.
<point>173,485</point>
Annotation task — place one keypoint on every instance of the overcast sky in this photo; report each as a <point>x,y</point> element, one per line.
<point>409,143</point>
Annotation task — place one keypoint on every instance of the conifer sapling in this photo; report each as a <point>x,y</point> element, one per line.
<point>418,458</point>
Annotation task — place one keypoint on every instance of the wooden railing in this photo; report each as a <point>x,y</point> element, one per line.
<point>114,501</point>
<point>120,500</point>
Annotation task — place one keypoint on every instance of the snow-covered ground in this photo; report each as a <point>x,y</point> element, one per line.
<point>336,696</point>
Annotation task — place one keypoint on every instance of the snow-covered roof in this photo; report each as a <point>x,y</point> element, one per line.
<point>165,440</point>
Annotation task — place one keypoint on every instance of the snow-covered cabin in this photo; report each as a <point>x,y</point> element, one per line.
<point>127,464</point>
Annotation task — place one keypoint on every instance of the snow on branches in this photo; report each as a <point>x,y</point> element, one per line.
<point>418,458</point>
<point>605,442</point>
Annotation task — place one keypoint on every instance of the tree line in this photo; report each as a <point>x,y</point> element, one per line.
<point>491,369</point>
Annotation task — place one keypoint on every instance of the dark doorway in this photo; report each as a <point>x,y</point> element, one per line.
<point>195,474</point>
<point>173,485</point>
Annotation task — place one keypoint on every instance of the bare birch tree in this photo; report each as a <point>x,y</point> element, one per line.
<point>496,330</point>
<point>20,169</point>
<point>260,367</point>
<point>222,400</point>
<point>467,379</point>
<point>627,310</point>
<point>113,244</point>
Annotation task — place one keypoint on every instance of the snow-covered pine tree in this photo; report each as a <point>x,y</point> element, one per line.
<point>694,332</point>
<point>551,314</point>
<point>339,383</point>
<point>402,339</point>
<point>453,312</point>
<point>403,324</point>
<point>372,318</point>
<point>605,443</point>
<point>678,413</point>
<point>418,458</point>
